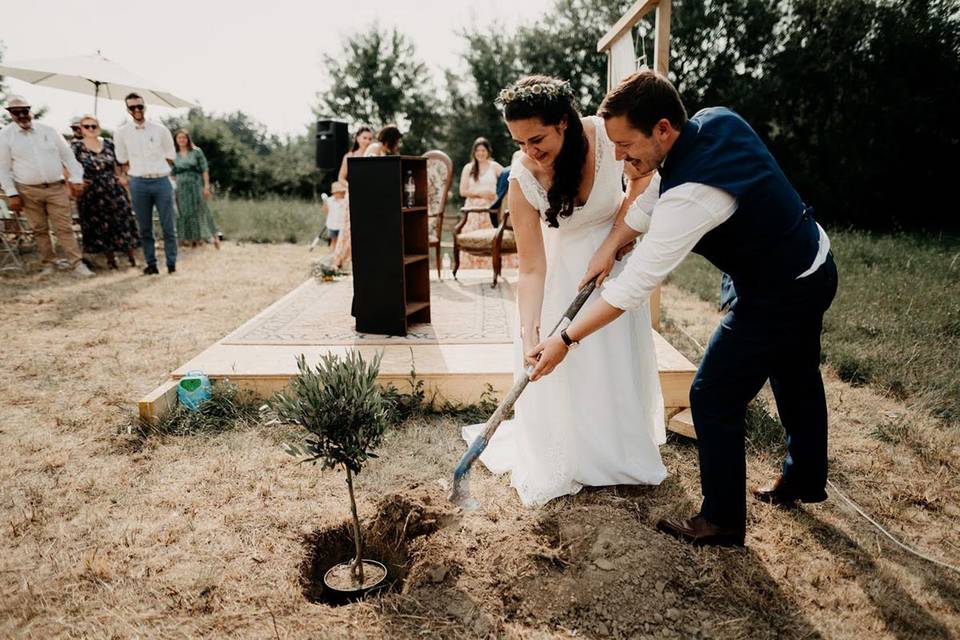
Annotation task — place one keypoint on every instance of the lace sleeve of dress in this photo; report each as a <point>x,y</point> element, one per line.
<point>603,144</point>
<point>532,190</point>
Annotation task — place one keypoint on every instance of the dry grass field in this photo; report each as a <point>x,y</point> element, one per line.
<point>105,535</point>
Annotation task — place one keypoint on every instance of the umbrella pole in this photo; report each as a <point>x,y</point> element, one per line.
<point>96,93</point>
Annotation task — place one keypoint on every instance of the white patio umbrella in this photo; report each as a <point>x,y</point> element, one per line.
<point>93,75</point>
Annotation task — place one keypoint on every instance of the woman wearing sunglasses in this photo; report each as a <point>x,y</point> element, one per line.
<point>106,219</point>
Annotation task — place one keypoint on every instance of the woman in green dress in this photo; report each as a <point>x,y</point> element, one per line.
<point>195,223</point>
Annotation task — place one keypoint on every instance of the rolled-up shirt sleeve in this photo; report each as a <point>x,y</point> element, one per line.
<point>680,217</point>
<point>74,168</point>
<point>120,146</point>
<point>169,148</point>
<point>638,215</point>
<point>6,168</point>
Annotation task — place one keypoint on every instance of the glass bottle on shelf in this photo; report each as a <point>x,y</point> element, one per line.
<point>410,190</point>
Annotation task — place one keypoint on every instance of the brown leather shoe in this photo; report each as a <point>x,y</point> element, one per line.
<point>780,492</point>
<point>699,532</point>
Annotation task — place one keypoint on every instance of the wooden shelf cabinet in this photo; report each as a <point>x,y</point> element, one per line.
<point>391,266</point>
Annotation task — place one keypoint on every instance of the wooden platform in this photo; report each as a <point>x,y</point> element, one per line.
<point>467,345</point>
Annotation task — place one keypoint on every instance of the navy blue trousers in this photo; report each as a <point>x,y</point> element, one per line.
<point>768,334</point>
<point>147,193</point>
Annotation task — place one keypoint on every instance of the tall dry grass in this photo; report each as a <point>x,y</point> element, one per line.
<point>895,323</point>
<point>265,220</point>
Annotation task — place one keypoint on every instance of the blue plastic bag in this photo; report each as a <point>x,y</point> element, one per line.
<point>194,389</point>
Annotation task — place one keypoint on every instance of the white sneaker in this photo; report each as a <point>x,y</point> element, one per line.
<point>62,265</point>
<point>81,271</point>
<point>48,270</point>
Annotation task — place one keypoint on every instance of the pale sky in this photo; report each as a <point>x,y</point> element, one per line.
<point>260,57</point>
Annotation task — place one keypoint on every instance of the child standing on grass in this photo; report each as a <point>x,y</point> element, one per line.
<point>336,208</point>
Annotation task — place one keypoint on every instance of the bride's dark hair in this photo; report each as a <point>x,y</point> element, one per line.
<point>552,101</point>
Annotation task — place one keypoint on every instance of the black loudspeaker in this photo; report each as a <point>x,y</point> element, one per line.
<point>332,143</point>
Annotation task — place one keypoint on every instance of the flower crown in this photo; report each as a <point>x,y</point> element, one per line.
<point>534,92</point>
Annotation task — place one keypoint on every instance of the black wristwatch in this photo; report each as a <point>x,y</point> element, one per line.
<point>567,340</point>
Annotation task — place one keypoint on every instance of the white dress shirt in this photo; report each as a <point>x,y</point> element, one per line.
<point>34,156</point>
<point>673,223</point>
<point>146,148</point>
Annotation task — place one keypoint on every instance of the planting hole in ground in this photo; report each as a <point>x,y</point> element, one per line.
<point>386,539</point>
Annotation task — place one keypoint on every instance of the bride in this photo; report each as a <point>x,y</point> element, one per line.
<point>598,419</point>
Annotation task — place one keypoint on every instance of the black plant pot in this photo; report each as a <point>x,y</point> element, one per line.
<point>338,591</point>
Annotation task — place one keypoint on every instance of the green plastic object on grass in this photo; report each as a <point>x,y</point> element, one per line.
<point>194,389</point>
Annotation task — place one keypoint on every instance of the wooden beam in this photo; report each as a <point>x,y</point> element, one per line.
<point>682,423</point>
<point>159,402</point>
<point>633,15</point>
<point>661,42</point>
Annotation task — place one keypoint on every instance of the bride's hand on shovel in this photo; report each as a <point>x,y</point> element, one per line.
<point>548,354</point>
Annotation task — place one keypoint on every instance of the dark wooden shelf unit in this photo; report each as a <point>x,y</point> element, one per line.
<point>391,266</point>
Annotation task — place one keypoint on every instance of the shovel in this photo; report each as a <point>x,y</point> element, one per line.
<point>460,495</point>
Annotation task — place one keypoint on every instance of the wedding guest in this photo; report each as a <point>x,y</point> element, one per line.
<point>192,176</point>
<point>478,187</point>
<point>336,206</point>
<point>33,157</point>
<point>105,214</point>
<point>719,192</point>
<point>388,142</point>
<point>361,148</point>
<point>361,140</point>
<point>146,153</point>
<point>76,129</point>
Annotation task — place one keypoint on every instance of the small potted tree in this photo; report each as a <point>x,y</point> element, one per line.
<point>340,404</point>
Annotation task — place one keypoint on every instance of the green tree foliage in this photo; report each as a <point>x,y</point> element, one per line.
<point>246,160</point>
<point>492,60</point>
<point>564,44</point>
<point>863,109</point>
<point>377,79</point>
<point>854,97</point>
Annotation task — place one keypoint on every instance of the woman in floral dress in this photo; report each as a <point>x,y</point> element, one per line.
<point>190,171</point>
<point>106,218</point>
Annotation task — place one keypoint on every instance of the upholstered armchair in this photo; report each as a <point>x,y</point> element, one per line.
<point>439,179</point>
<point>492,242</point>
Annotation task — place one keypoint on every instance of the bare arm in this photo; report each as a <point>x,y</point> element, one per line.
<point>465,183</point>
<point>342,176</point>
<point>533,265</point>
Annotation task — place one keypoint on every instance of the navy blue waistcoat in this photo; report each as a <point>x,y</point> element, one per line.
<point>771,238</point>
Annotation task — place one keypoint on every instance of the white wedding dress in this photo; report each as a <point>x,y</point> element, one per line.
<point>598,418</point>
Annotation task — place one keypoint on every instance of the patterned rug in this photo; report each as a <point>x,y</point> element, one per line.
<point>467,311</point>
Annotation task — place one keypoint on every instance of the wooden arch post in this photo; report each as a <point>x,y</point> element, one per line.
<point>661,63</point>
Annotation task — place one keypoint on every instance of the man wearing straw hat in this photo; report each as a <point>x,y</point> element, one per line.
<point>32,159</point>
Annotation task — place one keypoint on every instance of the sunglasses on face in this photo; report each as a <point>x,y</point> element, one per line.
<point>135,107</point>
<point>91,127</point>
<point>16,113</point>
<point>75,127</point>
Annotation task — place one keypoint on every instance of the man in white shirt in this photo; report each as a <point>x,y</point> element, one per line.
<point>33,157</point>
<point>718,191</point>
<point>145,152</point>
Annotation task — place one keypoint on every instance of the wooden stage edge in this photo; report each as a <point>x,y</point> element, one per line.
<point>458,373</point>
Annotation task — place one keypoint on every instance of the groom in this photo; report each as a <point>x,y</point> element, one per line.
<point>718,192</point>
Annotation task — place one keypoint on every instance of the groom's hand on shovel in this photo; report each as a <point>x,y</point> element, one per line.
<point>548,355</point>
<point>599,267</point>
